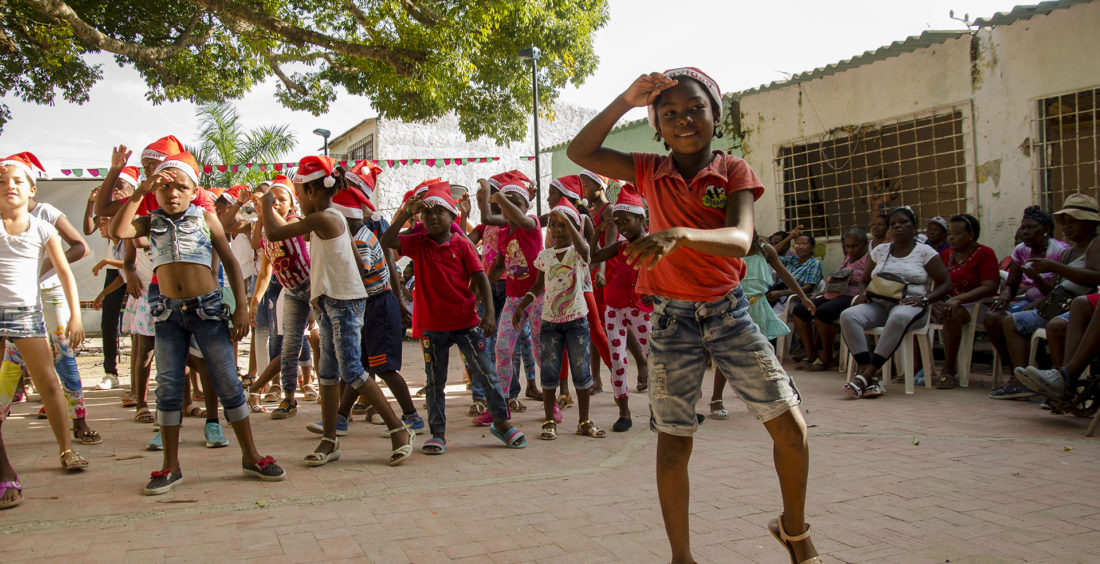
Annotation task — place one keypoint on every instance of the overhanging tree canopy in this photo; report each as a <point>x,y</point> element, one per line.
<point>414,59</point>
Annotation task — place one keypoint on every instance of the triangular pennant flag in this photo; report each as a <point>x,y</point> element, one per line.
<point>93,171</point>
<point>458,161</point>
<point>221,168</point>
<point>278,166</point>
<point>263,167</point>
<point>447,162</point>
<point>404,161</point>
<point>416,161</point>
<point>78,172</point>
<point>343,163</point>
<point>291,165</point>
<point>103,172</point>
<point>496,158</point>
<point>234,168</point>
<point>207,169</point>
<point>389,163</point>
<point>429,162</point>
<point>249,165</point>
<point>66,172</point>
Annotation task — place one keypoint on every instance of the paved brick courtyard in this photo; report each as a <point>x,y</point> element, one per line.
<point>990,481</point>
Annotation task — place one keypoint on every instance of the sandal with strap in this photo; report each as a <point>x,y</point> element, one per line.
<point>565,400</point>
<point>776,529</point>
<point>853,390</point>
<point>588,428</point>
<point>129,400</point>
<point>403,452</point>
<point>274,394</point>
<point>433,446</point>
<point>255,404</point>
<point>87,436</point>
<point>320,458</point>
<point>144,415</point>
<point>478,407</point>
<point>874,390</point>
<point>310,392</point>
<point>194,411</point>
<point>515,405</point>
<point>549,430</point>
<point>71,460</point>
<point>947,381</point>
<point>720,413</point>
<point>514,438</point>
<point>11,485</point>
<point>643,382</point>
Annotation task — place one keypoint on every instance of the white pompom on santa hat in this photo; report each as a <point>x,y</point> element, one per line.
<point>313,167</point>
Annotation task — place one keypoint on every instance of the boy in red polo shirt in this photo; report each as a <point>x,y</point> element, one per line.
<point>701,217</point>
<point>445,264</point>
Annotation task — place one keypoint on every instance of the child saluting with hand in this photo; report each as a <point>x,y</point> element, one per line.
<point>701,218</point>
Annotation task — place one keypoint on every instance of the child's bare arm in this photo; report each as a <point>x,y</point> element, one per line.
<point>575,237</point>
<point>587,148</point>
<point>74,328</point>
<point>233,272</point>
<point>785,275</point>
<point>487,215</point>
<point>512,214</point>
<point>276,228</point>
<point>89,217</point>
<point>733,240</point>
<point>521,309</point>
<point>103,204</point>
<point>497,269</point>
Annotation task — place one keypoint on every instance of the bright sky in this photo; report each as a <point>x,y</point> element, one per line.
<point>740,44</point>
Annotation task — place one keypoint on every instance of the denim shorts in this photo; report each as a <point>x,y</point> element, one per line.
<point>22,322</point>
<point>341,324</point>
<point>1029,320</point>
<point>681,335</point>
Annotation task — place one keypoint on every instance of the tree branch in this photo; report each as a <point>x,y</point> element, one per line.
<point>95,38</point>
<point>420,13</point>
<point>273,62</point>
<point>361,18</point>
<point>404,61</point>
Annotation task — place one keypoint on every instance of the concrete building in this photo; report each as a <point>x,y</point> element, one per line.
<point>390,140</point>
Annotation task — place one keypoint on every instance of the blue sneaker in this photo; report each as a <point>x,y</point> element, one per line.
<point>1009,392</point>
<point>414,421</point>
<point>341,426</point>
<point>155,443</point>
<point>214,436</point>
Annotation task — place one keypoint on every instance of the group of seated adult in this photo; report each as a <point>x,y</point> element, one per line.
<point>897,276</point>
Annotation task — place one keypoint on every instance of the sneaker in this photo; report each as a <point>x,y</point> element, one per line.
<point>162,482</point>
<point>1048,382</point>
<point>1008,391</point>
<point>486,419</point>
<point>215,438</point>
<point>413,420</point>
<point>341,426</point>
<point>285,410</point>
<point>155,443</point>
<point>109,382</point>
<point>265,469</point>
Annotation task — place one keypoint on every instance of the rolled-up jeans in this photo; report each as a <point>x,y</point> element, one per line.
<point>295,318</point>
<point>436,346</point>
<point>203,319</point>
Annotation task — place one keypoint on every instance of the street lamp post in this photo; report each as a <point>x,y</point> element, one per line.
<point>533,53</point>
<point>324,133</point>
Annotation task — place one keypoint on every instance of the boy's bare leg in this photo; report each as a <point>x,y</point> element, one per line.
<point>674,490</point>
<point>792,463</point>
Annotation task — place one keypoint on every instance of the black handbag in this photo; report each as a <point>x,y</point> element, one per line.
<point>1055,303</point>
<point>838,282</point>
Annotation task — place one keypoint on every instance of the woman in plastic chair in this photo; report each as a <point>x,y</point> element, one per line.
<point>805,268</point>
<point>903,269</point>
<point>841,288</point>
<point>974,277</point>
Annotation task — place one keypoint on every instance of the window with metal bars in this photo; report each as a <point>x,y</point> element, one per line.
<point>1066,154</point>
<point>848,175</point>
<point>362,150</point>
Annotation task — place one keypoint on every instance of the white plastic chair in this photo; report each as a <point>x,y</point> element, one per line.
<point>966,344</point>
<point>904,355</point>
<point>783,342</point>
<point>1033,352</point>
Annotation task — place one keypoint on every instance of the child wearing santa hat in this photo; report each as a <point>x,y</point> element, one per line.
<point>627,312</point>
<point>447,266</point>
<point>57,313</point>
<point>701,216</point>
<point>110,301</point>
<point>184,240</point>
<point>563,266</point>
<point>338,296</point>
<point>24,241</point>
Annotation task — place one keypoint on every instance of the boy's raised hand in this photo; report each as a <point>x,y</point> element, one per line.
<point>244,195</point>
<point>415,205</point>
<point>645,89</point>
<point>119,156</point>
<point>464,205</point>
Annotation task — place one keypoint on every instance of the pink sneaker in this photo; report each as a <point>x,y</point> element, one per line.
<point>486,419</point>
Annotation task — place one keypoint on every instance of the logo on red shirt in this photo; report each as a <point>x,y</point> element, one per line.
<point>714,197</point>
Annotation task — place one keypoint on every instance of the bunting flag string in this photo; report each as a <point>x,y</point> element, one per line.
<point>279,167</point>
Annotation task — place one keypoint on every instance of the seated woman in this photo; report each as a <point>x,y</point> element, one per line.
<point>1078,270</point>
<point>1083,338</point>
<point>1035,241</point>
<point>911,265</point>
<point>935,234</point>
<point>974,276</point>
<point>805,268</point>
<point>880,231</point>
<point>841,288</point>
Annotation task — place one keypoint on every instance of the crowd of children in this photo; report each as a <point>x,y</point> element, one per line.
<point>576,288</point>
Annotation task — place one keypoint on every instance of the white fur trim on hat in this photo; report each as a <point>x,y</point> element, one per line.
<point>708,83</point>
<point>362,184</point>
<point>181,165</point>
<point>564,190</point>
<point>522,191</point>
<point>628,208</point>
<point>21,166</point>
<point>572,214</point>
<point>595,178</point>
<point>153,154</point>
<point>437,201</point>
<point>349,212</point>
<point>128,179</point>
<point>329,180</point>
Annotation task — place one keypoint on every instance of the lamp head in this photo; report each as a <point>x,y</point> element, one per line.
<point>530,53</point>
<point>322,132</point>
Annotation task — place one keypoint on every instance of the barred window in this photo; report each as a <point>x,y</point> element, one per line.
<point>362,150</point>
<point>848,175</point>
<point>1066,153</point>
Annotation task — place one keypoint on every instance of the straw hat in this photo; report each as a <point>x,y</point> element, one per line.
<point>1081,207</point>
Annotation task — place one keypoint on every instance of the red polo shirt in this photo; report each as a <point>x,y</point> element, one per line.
<point>687,274</point>
<point>443,300</point>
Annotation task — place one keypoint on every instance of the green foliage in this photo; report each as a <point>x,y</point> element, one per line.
<point>223,140</point>
<point>414,59</point>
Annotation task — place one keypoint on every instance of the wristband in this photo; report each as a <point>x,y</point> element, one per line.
<point>533,297</point>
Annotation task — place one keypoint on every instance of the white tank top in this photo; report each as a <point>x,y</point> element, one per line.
<point>333,270</point>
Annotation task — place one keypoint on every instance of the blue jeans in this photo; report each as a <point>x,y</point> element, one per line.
<point>436,346</point>
<point>341,323</point>
<point>204,319</point>
<point>555,339</point>
<point>682,333</point>
<point>295,318</point>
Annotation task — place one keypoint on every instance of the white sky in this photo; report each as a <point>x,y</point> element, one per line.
<point>740,44</point>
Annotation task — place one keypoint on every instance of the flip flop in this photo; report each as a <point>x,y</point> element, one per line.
<point>434,445</point>
<point>144,415</point>
<point>513,439</point>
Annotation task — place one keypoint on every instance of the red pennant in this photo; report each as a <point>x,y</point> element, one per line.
<point>249,165</point>
<point>66,171</point>
<point>342,163</point>
<point>207,169</point>
<point>93,171</point>
<point>234,168</point>
<point>404,161</point>
<point>263,167</point>
<point>447,162</point>
<point>458,161</point>
<point>496,158</point>
<point>389,163</point>
<point>416,161</point>
<point>278,166</point>
<point>221,168</point>
<point>429,162</point>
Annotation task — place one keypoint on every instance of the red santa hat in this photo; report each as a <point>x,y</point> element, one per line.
<point>516,181</point>
<point>160,149</point>
<point>182,161</point>
<point>708,83</point>
<point>25,162</point>
<point>130,175</point>
<point>597,178</point>
<point>569,186</point>
<point>629,200</point>
<point>314,167</point>
<point>281,181</point>
<point>567,208</point>
<point>233,192</point>
<point>439,194</point>
<point>350,201</point>
<point>365,176</point>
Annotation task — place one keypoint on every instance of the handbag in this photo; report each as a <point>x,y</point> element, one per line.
<point>838,281</point>
<point>1055,303</point>
<point>887,285</point>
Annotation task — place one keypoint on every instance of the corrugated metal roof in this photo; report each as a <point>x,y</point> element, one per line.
<point>1026,12</point>
<point>910,44</point>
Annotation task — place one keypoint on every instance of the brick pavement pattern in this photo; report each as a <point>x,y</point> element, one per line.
<point>989,481</point>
